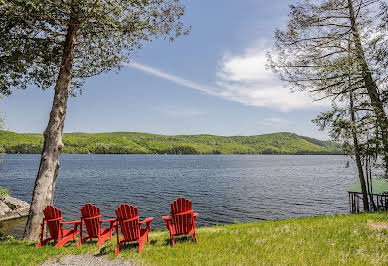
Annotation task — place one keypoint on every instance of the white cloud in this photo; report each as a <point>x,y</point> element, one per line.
<point>244,78</point>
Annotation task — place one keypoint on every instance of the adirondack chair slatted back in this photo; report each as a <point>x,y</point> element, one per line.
<point>128,219</point>
<point>91,217</point>
<point>53,217</point>
<point>183,223</point>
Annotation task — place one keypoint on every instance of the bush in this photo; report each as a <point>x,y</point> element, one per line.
<point>3,192</point>
<point>4,237</point>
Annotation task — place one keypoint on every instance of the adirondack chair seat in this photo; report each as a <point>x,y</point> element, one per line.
<point>143,235</point>
<point>53,220</point>
<point>182,219</point>
<point>91,218</point>
<point>170,225</point>
<point>129,225</point>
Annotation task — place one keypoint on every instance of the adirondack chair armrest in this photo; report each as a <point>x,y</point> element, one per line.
<point>72,222</point>
<point>108,220</point>
<point>76,224</point>
<point>195,214</point>
<point>184,213</point>
<point>166,218</point>
<point>147,220</point>
<point>112,222</point>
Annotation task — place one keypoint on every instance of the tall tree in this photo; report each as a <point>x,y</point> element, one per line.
<point>60,43</point>
<point>326,50</point>
<point>368,79</point>
<point>1,127</point>
<point>343,122</point>
<point>317,34</point>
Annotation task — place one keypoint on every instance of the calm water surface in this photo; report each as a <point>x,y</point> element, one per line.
<point>223,188</point>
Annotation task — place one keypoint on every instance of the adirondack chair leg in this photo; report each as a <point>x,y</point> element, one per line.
<point>80,236</point>
<point>195,237</point>
<point>102,239</point>
<point>41,236</point>
<point>82,240</point>
<point>117,251</point>
<point>141,244</point>
<point>44,242</point>
<point>112,228</point>
<point>173,240</point>
<point>63,241</point>
<point>75,231</point>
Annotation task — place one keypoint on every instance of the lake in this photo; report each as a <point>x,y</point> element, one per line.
<point>224,188</point>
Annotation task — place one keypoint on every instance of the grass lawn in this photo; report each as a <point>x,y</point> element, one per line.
<point>343,239</point>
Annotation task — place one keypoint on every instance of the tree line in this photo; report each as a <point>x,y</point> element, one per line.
<point>143,143</point>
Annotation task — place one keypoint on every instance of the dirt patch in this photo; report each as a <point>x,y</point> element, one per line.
<point>87,260</point>
<point>378,225</point>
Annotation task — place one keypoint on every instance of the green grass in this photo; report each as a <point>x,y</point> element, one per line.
<point>24,253</point>
<point>144,143</point>
<point>326,240</point>
<point>3,192</point>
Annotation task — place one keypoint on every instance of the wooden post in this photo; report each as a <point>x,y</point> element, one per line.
<point>350,204</point>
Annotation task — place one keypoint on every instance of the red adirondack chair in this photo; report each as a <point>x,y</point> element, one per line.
<point>53,219</point>
<point>128,221</point>
<point>182,219</point>
<point>91,217</point>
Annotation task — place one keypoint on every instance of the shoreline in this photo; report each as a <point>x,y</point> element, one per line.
<point>17,232</point>
<point>335,240</point>
<point>206,154</point>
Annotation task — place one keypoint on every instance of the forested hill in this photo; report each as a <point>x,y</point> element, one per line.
<point>144,143</point>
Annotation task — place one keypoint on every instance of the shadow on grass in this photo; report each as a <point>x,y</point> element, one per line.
<point>128,246</point>
<point>180,239</point>
<point>52,243</point>
<point>89,242</point>
<point>104,251</point>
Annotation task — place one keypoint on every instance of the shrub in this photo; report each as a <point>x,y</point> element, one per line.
<point>3,192</point>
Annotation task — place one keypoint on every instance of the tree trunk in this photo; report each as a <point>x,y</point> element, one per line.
<point>49,162</point>
<point>357,155</point>
<point>370,85</point>
<point>368,171</point>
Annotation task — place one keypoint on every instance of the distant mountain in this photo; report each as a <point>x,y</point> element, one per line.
<point>145,143</point>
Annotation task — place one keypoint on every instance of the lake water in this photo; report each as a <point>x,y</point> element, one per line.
<point>224,188</point>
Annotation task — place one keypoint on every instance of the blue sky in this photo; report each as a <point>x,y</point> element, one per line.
<point>213,81</point>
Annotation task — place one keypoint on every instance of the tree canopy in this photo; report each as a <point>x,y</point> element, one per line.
<point>106,34</point>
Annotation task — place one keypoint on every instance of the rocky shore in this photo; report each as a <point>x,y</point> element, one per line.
<point>12,208</point>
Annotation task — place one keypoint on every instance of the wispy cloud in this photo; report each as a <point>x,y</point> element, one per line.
<point>173,78</point>
<point>244,78</point>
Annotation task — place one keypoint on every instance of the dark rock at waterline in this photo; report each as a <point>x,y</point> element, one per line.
<point>11,208</point>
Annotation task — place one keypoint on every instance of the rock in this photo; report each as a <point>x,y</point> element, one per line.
<point>11,208</point>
